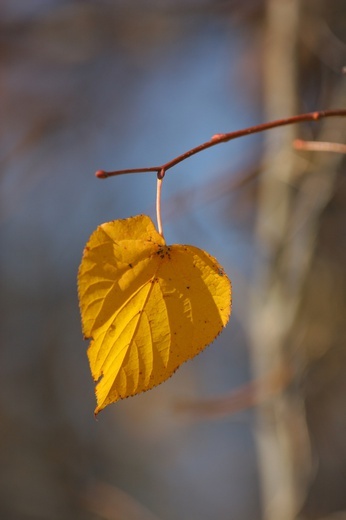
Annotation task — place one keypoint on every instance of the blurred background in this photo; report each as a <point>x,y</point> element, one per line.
<point>254,427</point>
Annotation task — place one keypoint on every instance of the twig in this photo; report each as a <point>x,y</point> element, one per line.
<point>224,138</point>
<point>244,397</point>
<point>319,146</point>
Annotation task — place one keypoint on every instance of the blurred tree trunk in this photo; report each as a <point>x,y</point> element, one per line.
<point>297,316</point>
<point>280,423</point>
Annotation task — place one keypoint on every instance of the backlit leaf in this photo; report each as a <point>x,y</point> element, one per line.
<point>146,306</point>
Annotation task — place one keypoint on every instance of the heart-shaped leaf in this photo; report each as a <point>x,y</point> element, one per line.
<point>146,306</point>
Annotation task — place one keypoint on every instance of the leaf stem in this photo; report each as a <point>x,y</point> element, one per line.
<point>160,177</point>
<point>223,138</point>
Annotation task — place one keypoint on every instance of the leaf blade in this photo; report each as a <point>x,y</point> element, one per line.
<point>146,306</point>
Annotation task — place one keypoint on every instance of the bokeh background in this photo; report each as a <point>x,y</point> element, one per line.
<point>255,427</point>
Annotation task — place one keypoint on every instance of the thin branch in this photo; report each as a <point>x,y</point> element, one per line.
<point>319,146</point>
<point>242,398</point>
<point>224,138</point>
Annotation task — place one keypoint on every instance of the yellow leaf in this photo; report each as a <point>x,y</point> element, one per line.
<point>147,307</point>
